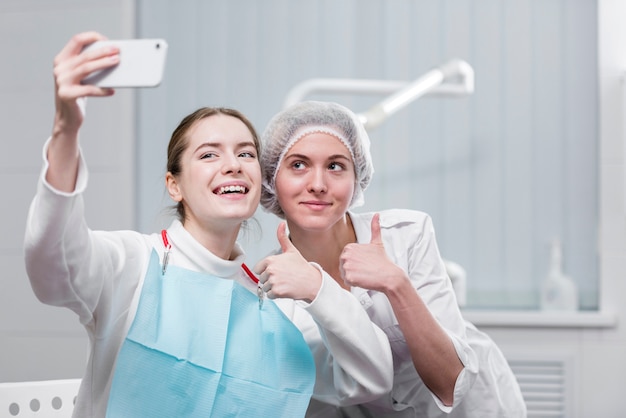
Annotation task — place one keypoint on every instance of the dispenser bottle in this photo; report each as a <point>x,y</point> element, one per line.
<point>558,292</point>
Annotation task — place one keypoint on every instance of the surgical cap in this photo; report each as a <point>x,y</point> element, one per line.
<point>301,119</point>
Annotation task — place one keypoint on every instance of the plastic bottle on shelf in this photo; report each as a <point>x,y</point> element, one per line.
<point>558,291</point>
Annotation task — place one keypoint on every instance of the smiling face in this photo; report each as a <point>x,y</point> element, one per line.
<point>219,183</point>
<point>315,182</point>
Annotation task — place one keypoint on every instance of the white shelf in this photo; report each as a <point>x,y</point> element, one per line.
<point>540,319</point>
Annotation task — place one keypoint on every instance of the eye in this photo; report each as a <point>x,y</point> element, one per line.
<point>298,165</point>
<point>247,154</point>
<point>335,166</point>
<point>208,155</point>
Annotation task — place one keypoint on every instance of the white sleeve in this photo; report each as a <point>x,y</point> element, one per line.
<point>352,355</point>
<point>68,264</point>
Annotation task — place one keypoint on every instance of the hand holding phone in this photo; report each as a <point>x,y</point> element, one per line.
<point>142,62</point>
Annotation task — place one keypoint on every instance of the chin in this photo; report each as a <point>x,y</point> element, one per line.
<point>313,223</point>
<point>243,215</point>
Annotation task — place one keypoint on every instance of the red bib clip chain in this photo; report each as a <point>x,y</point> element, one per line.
<point>168,248</point>
<point>259,287</point>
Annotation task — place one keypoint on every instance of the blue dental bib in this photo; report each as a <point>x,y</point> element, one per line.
<point>201,346</point>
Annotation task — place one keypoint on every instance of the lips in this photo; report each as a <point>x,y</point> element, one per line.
<point>315,203</point>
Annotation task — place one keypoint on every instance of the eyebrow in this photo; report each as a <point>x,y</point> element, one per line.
<point>241,144</point>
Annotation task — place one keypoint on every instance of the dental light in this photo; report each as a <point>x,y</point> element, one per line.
<point>454,78</point>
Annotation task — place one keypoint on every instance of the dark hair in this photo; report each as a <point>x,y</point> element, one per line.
<point>179,140</point>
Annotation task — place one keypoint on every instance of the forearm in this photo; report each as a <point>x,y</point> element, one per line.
<point>63,155</point>
<point>56,236</point>
<point>433,353</point>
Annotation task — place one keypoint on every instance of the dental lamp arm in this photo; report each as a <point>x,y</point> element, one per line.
<point>455,78</point>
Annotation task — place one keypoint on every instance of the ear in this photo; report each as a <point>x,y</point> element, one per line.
<point>172,187</point>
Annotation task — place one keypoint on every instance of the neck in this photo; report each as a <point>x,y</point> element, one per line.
<point>220,240</point>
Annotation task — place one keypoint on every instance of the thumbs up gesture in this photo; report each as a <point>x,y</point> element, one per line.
<point>367,265</point>
<point>288,275</point>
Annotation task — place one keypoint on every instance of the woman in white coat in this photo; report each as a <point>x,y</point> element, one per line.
<point>316,165</point>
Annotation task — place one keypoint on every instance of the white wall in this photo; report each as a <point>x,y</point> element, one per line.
<point>39,341</point>
<point>597,353</point>
<point>501,172</point>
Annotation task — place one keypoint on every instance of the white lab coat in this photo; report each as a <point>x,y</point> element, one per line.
<point>485,388</point>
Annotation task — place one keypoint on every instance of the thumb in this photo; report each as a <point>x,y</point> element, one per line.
<point>283,238</point>
<point>376,238</point>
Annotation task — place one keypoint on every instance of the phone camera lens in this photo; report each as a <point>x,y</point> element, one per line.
<point>158,46</point>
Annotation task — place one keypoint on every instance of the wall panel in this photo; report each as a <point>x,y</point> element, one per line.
<point>501,172</point>
<point>38,341</point>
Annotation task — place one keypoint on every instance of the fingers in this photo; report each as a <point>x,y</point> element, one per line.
<point>71,65</point>
<point>267,286</point>
<point>77,43</point>
<point>283,238</point>
<point>376,238</point>
<point>263,275</point>
<point>259,270</point>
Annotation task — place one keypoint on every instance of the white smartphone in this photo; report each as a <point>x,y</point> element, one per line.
<point>142,62</point>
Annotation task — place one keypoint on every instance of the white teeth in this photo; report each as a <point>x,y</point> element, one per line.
<point>232,189</point>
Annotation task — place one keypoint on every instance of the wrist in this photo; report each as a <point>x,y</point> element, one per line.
<point>67,120</point>
<point>315,284</point>
<point>396,284</point>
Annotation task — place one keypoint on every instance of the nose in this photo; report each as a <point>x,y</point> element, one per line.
<point>317,181</point>
<point>232,164</point>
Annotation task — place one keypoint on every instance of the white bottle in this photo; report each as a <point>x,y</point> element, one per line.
<point>558,292</point>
